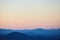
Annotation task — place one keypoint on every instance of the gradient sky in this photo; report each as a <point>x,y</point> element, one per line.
<point>29,14</point>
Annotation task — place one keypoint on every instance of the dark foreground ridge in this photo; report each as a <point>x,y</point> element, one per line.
<point>37,34</point>
<point>22,36</point>
<point>16,36</point>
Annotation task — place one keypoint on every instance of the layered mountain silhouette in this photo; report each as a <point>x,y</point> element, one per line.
<point>5,31</point>
<point>36,34</point>
<point>18,36</point>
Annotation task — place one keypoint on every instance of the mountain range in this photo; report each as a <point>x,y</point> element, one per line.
<point>36,34</point>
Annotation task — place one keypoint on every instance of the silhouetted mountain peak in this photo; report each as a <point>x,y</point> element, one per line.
<point>17,36</point>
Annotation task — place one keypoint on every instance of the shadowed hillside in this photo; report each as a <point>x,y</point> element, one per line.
<point>36,34</point>
<point>17,36</point>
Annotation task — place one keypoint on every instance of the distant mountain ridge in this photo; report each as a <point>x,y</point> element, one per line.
<point>32,32</point>
<point>36,34</point>
<point>22,36</point>
<point>16,36</point>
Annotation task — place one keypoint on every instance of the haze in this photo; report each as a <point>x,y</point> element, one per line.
<point>29,14</point>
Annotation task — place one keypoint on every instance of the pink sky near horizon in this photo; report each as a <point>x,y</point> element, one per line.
<point>29,14</point>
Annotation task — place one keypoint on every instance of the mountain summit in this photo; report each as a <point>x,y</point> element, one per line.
<point>17,36</point>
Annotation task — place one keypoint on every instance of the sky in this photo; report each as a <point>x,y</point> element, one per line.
<point>29,14</point>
